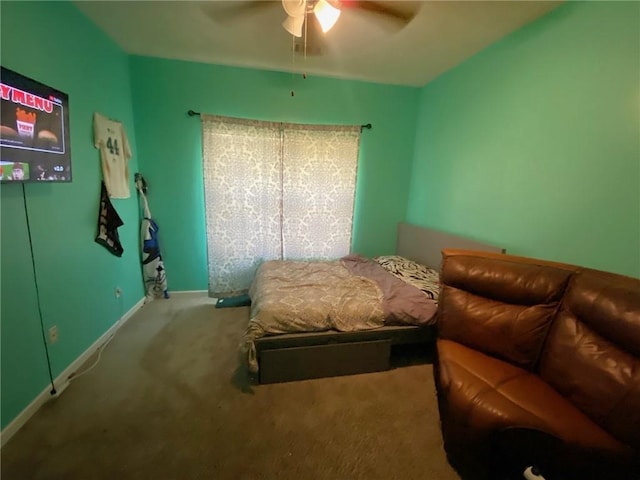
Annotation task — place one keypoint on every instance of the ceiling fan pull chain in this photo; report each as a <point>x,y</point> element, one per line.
<point>293,63</point>
<point>306,23</point>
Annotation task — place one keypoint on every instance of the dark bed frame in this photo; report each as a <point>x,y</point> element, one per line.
<point>300,356</point>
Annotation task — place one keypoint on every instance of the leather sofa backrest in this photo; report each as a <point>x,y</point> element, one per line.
<point>592,353</point>
<point>501,305</point>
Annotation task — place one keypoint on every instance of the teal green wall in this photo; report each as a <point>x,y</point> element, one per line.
<point>171,159</point>
<point>533,144</point>
<point>76,276</point>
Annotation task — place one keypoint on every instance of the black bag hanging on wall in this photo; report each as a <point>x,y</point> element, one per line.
<point>108,223</point>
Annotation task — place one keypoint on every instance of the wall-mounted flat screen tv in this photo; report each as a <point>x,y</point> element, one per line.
<point>34,131</point>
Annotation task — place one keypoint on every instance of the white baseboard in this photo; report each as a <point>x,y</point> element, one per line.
<point>17,423</point>
<point>61,382</point>
<point>200,292</point>
<point>179,292</point>
<point>63,378</point>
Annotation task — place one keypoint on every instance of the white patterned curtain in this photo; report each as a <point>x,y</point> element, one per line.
<point>319,183</point>
<point>242,170</point>
<point>274,191</point>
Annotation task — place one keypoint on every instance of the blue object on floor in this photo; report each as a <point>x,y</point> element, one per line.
<point>239,301</point>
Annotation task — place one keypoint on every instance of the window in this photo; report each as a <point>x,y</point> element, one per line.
<point>275,191</point>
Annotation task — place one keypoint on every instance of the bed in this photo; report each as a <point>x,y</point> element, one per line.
<point>319,319</point>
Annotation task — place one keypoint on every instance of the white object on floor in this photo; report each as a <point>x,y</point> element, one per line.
<point>529,475</point>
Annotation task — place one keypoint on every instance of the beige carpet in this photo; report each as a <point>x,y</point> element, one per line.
<point>167,401</point>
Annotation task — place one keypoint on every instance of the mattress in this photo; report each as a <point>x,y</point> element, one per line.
<point>348,295</point>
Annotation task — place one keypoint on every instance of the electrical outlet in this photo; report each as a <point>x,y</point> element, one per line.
<point>118,292</point>
<point>53,334</point>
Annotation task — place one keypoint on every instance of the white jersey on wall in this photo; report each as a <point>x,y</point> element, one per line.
<point>111,139</point>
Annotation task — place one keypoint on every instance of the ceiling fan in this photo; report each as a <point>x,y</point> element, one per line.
<point>309,20</point>
<point>297,11</point>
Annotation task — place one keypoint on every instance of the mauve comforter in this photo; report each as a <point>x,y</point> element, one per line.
<point>350,294</point>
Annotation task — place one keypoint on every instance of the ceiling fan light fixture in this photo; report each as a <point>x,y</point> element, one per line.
<point>293,25</point>
<point>326,14</point>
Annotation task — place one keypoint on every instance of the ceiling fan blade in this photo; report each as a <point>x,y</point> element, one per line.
<point>401,12</point>
<point>228,11</point>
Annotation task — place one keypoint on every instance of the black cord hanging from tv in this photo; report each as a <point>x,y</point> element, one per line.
<point>35,280</point>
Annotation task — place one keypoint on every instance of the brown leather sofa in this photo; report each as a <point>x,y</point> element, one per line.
<point>548,350</point>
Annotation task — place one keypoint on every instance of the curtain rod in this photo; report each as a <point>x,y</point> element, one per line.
<point>192,113</point>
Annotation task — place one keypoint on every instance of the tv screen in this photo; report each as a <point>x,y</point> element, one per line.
<point>34,131</point>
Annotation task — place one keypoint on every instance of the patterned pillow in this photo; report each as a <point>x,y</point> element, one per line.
<point>424,278</point>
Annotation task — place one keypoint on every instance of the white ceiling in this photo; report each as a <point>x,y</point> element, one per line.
<point>361,45</point>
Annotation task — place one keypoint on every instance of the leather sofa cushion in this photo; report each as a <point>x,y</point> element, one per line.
<point>499,306</point>
<point>507,278</point>
<point>592,353</point>
<point>487,394</point>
